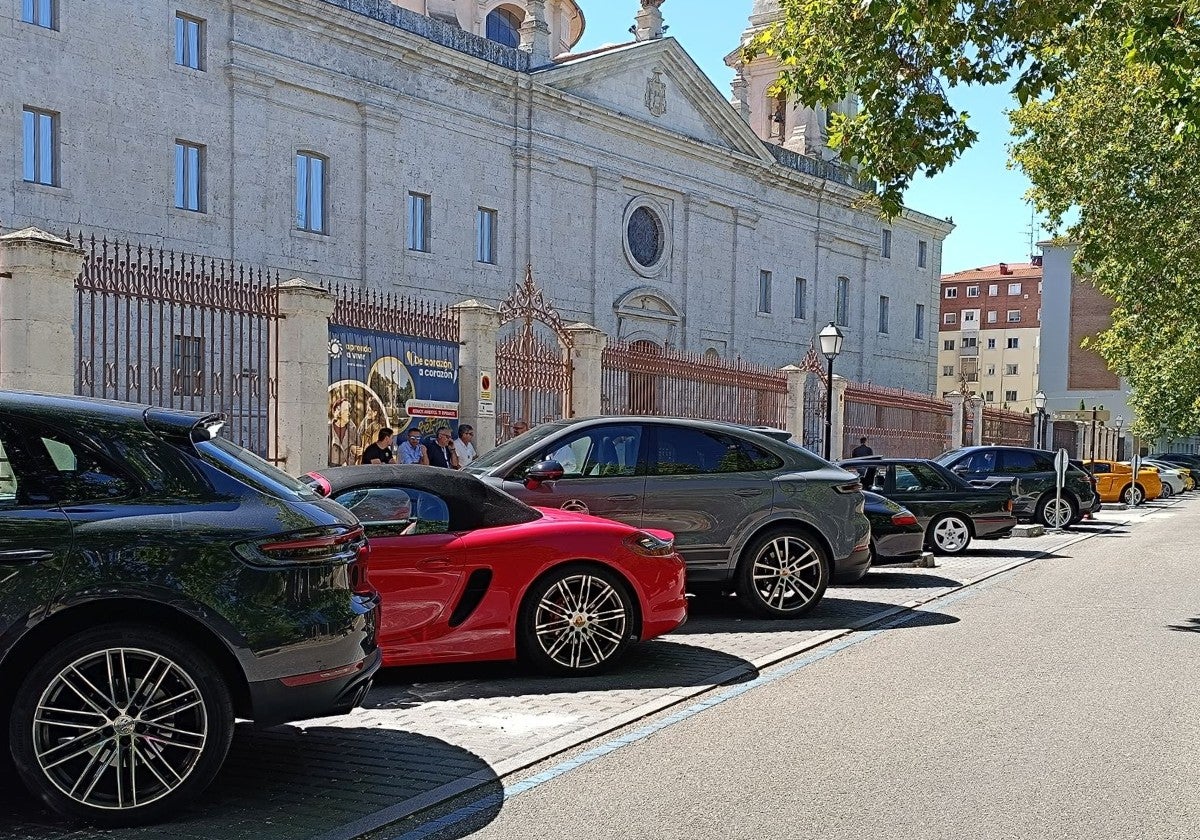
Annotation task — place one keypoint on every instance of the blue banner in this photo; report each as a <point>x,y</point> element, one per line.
<point>379,380</point>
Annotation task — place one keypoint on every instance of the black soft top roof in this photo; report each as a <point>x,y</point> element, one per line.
<point>473,503</point>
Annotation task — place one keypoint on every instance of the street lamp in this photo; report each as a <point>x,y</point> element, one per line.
<point>831,347</point>
<point>1120,439</point>
<point>1039,402</point>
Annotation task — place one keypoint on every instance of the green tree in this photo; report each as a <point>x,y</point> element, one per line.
<point>1108,126</point>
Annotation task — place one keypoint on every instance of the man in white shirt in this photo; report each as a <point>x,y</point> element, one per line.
<point>464,445</point>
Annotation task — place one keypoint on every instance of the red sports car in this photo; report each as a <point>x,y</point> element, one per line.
<point>469,573</point>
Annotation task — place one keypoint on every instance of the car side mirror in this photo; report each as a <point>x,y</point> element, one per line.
<point>541,472</point>
<point>961,469</point>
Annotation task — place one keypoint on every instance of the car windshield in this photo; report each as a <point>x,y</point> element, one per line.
<point>513,447</point>
<point>248,467</point>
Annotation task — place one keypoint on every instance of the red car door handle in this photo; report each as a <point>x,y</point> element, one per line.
<point>435,563</point>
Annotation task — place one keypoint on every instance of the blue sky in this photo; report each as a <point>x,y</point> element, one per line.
<point>983,197</point>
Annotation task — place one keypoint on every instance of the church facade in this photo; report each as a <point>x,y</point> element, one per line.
<point>438,147</point>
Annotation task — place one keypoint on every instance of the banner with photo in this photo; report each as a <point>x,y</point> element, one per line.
<point>378,380</point>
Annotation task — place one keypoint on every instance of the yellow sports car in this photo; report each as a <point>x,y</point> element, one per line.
<point>1114,482</point>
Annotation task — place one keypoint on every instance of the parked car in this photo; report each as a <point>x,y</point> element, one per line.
<point>468,573</point>
<point>760,516</point>
<point>1115,482</point>
<point>896,535</point>
<point>1177,476</point>
<point>155,582</point>
<point>1192,462</point>
<point>949,509</point>
<point>1031,474</point>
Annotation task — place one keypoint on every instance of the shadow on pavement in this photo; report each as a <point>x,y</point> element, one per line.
<point>898,579</point>
<point>286,783</point>
<point>725,615</point>
<point>657,664</point>
<point>1192,626</point>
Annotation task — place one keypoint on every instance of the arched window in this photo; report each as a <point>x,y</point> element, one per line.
<point>504,27</point>
<point>776,117</point>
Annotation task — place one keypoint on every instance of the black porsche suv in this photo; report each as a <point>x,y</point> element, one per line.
<point>155,582</point>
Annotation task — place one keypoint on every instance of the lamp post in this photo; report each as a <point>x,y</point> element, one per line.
<point>1039,402</point>
<point>831,347</point>
<point>1120,439</point>
<point>1095,418</point>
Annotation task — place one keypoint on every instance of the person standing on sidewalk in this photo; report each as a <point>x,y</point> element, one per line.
<point>464,445</point>
<point>862,450</point>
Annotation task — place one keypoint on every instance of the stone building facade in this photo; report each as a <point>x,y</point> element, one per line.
<point>990,333</point>
<point>378,144</point>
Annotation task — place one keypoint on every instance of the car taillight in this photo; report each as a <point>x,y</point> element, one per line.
<point>360,579</point>
<point>323,545</point>
<point>905,518</point>
<point>847,489</point>
<point>1008,505</point>
<point>649,545</point>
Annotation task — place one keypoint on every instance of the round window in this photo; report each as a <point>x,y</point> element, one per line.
<point>645,235</point>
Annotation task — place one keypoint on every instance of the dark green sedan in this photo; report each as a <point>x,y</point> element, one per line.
<point>952,511</point>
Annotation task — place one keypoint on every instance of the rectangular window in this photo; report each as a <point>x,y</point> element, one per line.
<point>800,300</point>
<point>991,370</point>
<point>922,253</point>
<point>1010,396</point>
<point>41,147</point>
<point>919,329</point>
<point>950,318</point>
<point>312,171</point>
<point>989,396</point>
<point>947,370</point>
<point>1014,289</point>
<point>764,291</point>
<point>993,290</point>
<point>418,222</point>
<point>1014,343</point>
<point>1014,315</point>
<point>485,236</point>
<point>991,316</point>
<point>843,301</point>
<point>40,13</point>
<point>1011,370</point>
<point>189,41</point>
<point>991,344</point>
<point>187,353</point>
<point>884,314</point>
<point>189,176</point>
<point>970,341</point>
<point>972,291</point>
<point>948,344</point>
<point>951,292</point>
<point>885,244</point>
<point>969,316</point>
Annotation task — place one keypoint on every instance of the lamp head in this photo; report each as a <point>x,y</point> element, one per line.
<point>1039,400</point>
<point>831,341</point>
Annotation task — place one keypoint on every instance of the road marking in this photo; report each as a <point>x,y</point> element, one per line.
<point>831,643</point>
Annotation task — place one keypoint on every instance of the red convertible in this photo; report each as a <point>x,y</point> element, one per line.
<point>468,573</point>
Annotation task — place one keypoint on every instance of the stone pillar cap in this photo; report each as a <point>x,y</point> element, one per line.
<point>32,234</point>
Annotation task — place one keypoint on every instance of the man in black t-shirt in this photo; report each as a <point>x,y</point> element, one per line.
<point>862,450</point>
<point>379,452</point>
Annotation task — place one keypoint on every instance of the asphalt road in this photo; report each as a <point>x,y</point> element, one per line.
<point>1060,700</point>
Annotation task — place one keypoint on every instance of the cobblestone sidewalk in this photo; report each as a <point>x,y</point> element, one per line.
<point>428,734</point>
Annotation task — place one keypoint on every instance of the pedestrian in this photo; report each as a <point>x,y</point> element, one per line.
<point>379,452</point>
<point>464,445</point>
<point>345,445</point>
<point>441,453</point>
<point>862,450</point>
<point>413,451</point>
<point>519,428</point>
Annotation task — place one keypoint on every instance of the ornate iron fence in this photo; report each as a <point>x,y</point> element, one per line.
<point>644,379</point>
<point>1007,428</point>
<point>178,331</point>
<point>370,309</point>
<point>896,422</point>
<point>533,360</point>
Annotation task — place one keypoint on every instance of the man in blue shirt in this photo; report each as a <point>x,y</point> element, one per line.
<point>412,451</point>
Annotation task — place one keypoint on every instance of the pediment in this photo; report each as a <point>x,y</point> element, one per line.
<point>658,83</point>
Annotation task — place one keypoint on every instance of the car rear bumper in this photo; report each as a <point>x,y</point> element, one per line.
<point>893,548</point>
<point>321,694</point>
<point>852,568</point>
<point>993,527</point>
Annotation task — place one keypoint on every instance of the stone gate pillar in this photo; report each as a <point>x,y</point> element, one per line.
<point>976,421</point>
<point>478,327</point>
<point>300,414</point>
<point>838,432</point>
<point>587,369</point>
<point>957,418</point>
<point>37,311</point>
<point>795,400</point>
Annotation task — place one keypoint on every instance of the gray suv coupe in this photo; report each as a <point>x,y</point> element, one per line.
<point>752,514</point>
